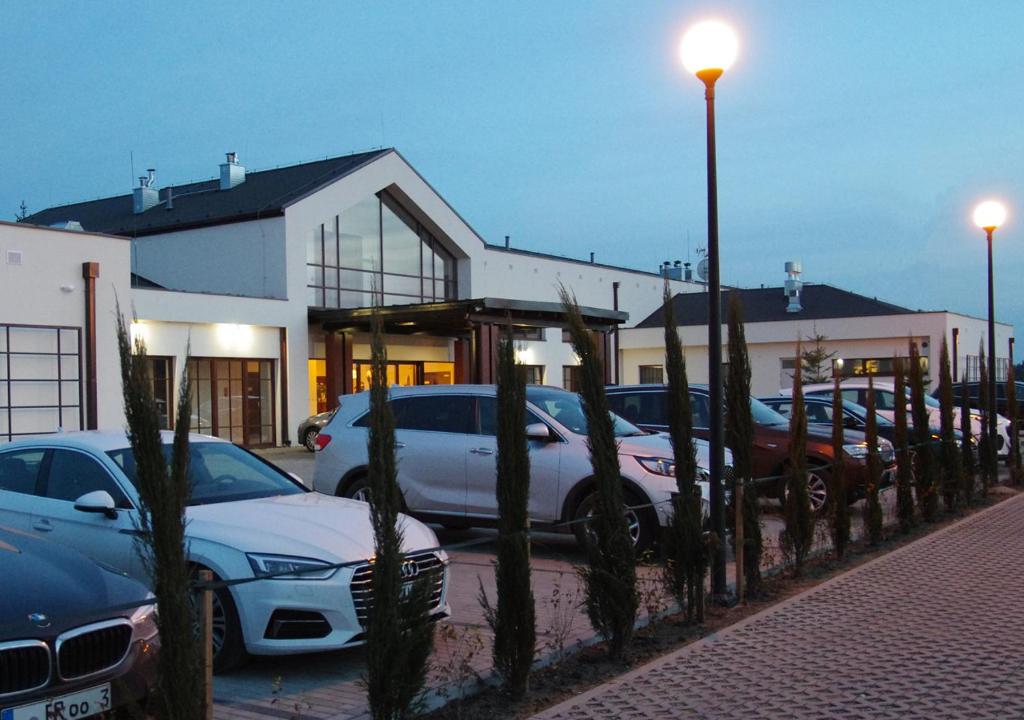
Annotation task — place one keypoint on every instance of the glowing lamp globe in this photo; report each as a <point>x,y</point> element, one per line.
<point>708,45</point>
<point>989,214</point>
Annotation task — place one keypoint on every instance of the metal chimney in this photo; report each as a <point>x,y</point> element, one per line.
<point>232,172</point>
<point>793,286</point>
<point>145,195</point>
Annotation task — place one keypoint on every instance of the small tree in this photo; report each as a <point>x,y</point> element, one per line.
<point>872,507</point>
<point>816,360</point>
<point>968,447</point>
<point>1016,476</point>
<point>739,437</point>
<point>610,578</point>
<point>686,561</point>
<point>924,476</point>
<point>163,497</point>
<point>951,472</point>
<point>904,456</point>
<point>399,634</point>
<point>986,449</point>
<point>514,620</point>
<point>798,533</point>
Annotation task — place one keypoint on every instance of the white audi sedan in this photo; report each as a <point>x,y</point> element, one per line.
<point>246,518</point>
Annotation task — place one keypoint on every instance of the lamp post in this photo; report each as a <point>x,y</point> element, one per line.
<point>707,50</point>
<point>988,216</point>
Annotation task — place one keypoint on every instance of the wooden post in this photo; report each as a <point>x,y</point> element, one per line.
<point>206,635</point>
<point>737,499</point>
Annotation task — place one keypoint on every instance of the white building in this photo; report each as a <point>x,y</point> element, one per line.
<point>268,278</point>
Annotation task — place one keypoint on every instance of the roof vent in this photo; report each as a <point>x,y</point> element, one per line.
<point>68,225</point>
<point>232,172</point>
<point>671,271</point>
<point>145,195</point>
<point>793,286</point>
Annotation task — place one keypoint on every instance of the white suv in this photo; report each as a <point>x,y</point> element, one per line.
<point>446,458</point>
<point>855,390</point>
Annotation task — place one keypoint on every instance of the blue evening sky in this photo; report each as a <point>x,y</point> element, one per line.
<point>854,136</point>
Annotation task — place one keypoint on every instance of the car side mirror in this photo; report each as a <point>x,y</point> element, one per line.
<point>851,423</point>
<point>538,431</point>
<point>97,501</point>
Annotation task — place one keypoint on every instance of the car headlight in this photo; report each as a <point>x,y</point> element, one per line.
<point>144,621</point>
<point>297,568</point>
<point>976,416</point>
<point>856,450</point>
<point>658,466</point>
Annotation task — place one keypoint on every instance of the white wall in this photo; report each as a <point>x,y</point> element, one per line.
<point>31,293</point>
<point>245,258</point>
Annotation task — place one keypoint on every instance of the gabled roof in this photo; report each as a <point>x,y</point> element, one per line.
<point>264,193</point>
<point>819,302</point>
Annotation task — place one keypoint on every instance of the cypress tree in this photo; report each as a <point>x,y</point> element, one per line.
<point>872,507</point>
<point>1011,412</point>
<point>968,449</point>
<point>514,620</point>
<point>686,556</point>
<point>951,472</point>
<point>163,497</point>
<point>904,456</point>
<point>799,528</point>
<point>399,634</point>
<point>838,508</point>
<point>987,446</point>
<point>927,499</point>
<point>610,577</point>
<point>739,437</point>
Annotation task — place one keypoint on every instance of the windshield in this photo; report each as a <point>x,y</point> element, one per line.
<point>764,415</point>
<point>221,472</point>
<point>862,412</point>
<point>567,409</point>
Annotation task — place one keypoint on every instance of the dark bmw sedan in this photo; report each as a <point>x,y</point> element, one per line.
<point>76,640</point>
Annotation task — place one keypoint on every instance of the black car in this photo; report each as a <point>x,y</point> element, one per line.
<point>311,426</point>
<point>76,639</point>
<point>819,412</point>
<point>1001,398</point>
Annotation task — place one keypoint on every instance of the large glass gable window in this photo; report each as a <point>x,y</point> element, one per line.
<point>376,246</point>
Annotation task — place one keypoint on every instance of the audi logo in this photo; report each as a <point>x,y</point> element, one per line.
<point>409,570</point>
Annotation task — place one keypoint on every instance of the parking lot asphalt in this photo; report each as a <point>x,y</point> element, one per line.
<point>326,686</point>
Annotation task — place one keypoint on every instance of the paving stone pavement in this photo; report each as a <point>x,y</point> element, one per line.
<point>932,630</point>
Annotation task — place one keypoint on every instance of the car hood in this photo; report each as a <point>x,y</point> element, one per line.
<point>659,445</point>
<point>71,590</point>
<point>309,525</point>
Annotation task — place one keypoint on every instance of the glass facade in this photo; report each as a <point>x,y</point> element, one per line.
<point>375,247</point>
<point>233,398</point>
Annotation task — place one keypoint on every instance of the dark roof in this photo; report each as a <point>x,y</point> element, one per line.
<point>819,302</point>
<point>264,193</point>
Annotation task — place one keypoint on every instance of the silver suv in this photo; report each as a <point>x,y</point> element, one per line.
<point>446,443</point>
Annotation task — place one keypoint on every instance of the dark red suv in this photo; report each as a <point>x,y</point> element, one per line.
<point>646,407</point>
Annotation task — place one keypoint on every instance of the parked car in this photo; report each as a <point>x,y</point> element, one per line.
<point>646,405</point>
<point>855,390</point>
<point>76,638</point>
<point>1001,399</point>
<point>246,518</point>
<point>310,428</point>
<point>446,446</point>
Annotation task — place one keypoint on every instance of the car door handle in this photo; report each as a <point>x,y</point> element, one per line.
<point>482,451</point>
<point>42,525</point>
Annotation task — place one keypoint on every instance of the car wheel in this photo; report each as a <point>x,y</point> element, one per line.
<point>817,490</point>
<point>358,489</point>
<point>641,522</point>
<point>309,439</point>
<point>228,645</point>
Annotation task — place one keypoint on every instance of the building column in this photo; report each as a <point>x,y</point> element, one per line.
<point>283,375</point>
<point>463,360</point>
<point>485,337</point>
<point>339,366</point>
<point>90,271</point>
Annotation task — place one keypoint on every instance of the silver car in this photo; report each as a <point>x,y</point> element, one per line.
<point>446,443</point>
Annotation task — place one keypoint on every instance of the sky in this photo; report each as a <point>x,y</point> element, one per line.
<point>855,137</point>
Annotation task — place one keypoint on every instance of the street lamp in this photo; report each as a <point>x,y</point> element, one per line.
<point>707,50</point>
<point>988,216</point>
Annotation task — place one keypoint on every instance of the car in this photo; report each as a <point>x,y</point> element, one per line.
<point>310,428</point>
<point>245,518</point>
<point>855,390</point>
<point>819,411</point>
<point>646,405</point>
<point>76,638</point>
<point>1001,398</point>
<point>446,442</point>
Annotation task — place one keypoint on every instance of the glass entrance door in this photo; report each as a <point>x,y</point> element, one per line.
<point>233,399</point>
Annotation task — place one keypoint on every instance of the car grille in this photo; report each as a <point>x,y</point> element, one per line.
<point>92,649</point>
<point>428,565</point>
<point>24,665</point>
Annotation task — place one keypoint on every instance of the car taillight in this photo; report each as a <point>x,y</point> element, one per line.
<point>322,440</point>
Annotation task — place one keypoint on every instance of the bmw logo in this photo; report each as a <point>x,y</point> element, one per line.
<point>409,570</point>
<point>40,619</point>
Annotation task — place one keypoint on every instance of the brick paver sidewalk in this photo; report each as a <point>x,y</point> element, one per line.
<point>932,630</point>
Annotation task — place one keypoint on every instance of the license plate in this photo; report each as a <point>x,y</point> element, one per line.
<point>81,704</point>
